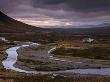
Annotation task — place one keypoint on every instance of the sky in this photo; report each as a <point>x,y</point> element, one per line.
<point>58,13</point>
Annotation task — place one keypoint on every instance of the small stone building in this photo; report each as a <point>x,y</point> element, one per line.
<point>88,40</point>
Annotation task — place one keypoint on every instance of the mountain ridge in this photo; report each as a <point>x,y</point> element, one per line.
<point>8,24</point>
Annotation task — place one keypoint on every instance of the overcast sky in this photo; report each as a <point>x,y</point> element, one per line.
<point>58,13</point>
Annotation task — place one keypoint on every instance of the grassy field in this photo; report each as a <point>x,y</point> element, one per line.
<point>48,78</point>
<point>85,50</point>
<point>63,79</point>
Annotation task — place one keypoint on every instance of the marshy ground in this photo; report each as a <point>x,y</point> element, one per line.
<point>96,50</point>
<point>68,55</point>
<point>37,58</point>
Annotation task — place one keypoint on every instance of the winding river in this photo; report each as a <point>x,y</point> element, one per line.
<point>12,58</point>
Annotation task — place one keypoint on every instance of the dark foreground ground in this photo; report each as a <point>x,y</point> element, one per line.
<point>19,77</point>
<point>10,76</point>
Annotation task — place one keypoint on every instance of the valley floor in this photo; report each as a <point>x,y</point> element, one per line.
<point>38,58</point>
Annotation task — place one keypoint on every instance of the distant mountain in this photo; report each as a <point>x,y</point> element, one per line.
<point>18,31</point>
<point>10,25</point>
<point>99,29</point>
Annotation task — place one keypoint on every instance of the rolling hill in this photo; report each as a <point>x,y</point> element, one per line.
<point>10,25</point>
<point>15,30</point>
<point>102,29</point>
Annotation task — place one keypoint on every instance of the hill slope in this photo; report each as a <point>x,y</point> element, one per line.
<point>10,25</point>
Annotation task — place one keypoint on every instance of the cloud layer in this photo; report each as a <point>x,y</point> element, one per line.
<point>74,5</point>
<point>58,12</point>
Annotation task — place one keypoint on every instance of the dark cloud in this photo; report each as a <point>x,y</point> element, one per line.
<point>59,11</point>
<point>69,6</point>
<point>8,5</point>
<point>74,5</point>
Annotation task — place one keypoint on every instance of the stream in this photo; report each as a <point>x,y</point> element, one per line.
<point>12,59</point>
